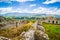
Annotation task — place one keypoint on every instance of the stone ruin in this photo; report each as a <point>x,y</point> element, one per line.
<point>52,20</point>
<point>37,32</point>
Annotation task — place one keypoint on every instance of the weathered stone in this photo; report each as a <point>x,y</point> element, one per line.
<point>3,38</point>
<point>36,32</point>
<point>41,28</point>
<point>40,35</point>
<point>29,35</point>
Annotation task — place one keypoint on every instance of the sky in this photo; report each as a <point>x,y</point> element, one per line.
<point>30,6</point>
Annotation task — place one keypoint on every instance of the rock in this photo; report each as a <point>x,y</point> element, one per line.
<point>38,27</point>
<point>36,32</point>
<point>22,33</point>
<point>35,35</point>
<point>34,26</point>
<point>41,28</point>
<point>2,19</point>
<point>29,35</point>
<point>40,35</point>
<point>3,38</point>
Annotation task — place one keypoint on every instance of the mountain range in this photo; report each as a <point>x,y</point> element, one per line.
<point>18,14</point>
<point>28,15</point>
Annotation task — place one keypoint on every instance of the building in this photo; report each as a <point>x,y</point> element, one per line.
<point>52,20</point>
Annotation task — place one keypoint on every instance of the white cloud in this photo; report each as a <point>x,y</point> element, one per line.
<point>8,1</point>
<point>15,0</point>
<point>5,10</point>
<point>40,10</point>
<point>9,10</point>
<point>43,10</point>
<point>24,0</point>
<point>51,1</point>
<point>32,5</point>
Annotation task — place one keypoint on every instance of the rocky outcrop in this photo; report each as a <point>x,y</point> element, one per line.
<point>39,35</point>
<point>29,35</point>
<point>37,32</point>
<point>3,38</point>
<point>2,19</point>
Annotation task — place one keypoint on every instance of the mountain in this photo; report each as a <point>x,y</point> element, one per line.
<point>18,14</point>
<point>40,15</point>
<point>57,16</point>
<point>15,14</point>
<point>47,15</point>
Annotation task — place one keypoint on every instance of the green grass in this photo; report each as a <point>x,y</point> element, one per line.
<point>52,30</point>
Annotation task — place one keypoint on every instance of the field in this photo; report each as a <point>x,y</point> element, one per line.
<point>52,30</point>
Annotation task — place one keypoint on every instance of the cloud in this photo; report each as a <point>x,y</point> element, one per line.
<point>32,5</point>
<point>11,10</point>
<point>15,0</point>
<point>23,0</point>
<point>5,10</point>
<point>8,1</point>
<point>40,10</point>
<point>51,1</point>
<point>8,10</point>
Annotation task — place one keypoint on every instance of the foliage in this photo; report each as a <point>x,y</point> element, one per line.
<point>27,26</point>
<point>32,21</point>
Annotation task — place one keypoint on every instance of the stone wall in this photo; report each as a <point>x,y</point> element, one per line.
<point>36,32</point>
<point>53,21</point>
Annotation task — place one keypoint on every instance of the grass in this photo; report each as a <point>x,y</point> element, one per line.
<point>52,30</point>
<point>15,32</point>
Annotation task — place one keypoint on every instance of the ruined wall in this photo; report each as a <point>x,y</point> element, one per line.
<point>53,21</point>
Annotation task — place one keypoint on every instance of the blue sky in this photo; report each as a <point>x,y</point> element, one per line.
<point>30,6</point>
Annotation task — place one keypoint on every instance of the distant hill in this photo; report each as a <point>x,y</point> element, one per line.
<point>57,16</point>
<point>18,14</point>
<point>40,15</point>
<point>15,14</point>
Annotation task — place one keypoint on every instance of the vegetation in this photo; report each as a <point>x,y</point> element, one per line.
<point>15,32</point>
<point>33,21</point>
<point>53,31</point>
